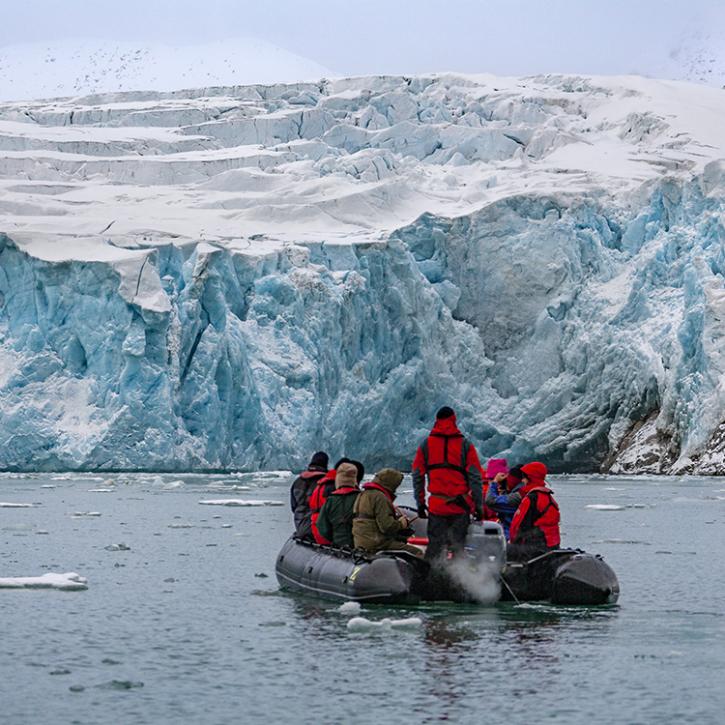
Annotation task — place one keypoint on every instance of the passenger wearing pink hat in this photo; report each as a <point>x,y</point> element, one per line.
<point>500,499</point>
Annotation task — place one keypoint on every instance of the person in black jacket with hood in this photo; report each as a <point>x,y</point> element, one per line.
<point>302,489</point>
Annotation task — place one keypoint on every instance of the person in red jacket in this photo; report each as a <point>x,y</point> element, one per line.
<point>302,489</point>
<point>450,462</point>
<point>535,525</point>
<point>325,487</point>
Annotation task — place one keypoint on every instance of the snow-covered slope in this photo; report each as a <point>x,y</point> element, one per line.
<point>79,67</point>
<point>236,276</point>
<point>698,56</point>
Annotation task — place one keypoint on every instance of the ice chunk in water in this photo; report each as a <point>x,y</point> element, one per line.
<point>67,582</point>
<point>360,624</point>
<point>350,608</point>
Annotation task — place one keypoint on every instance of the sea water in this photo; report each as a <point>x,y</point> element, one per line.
<point>183,621</point>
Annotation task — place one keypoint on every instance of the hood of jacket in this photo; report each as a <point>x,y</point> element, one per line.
<point>535,472</point>
<point>346,475</point>
<point>388,478</point>
<point>446,426</point>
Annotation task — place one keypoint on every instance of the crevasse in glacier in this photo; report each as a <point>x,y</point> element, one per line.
<point>234,277</point>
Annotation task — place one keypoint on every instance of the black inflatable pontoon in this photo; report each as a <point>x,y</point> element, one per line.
<point>387,577</point>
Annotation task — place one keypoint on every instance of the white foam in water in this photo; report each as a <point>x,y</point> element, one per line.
<point>66,582</point>
<point>239,502</point>
<point>360,624</point>
<point>605,507</point>
<point>350,608</point>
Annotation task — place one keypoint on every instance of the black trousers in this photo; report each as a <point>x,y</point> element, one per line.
<point>446,532</point>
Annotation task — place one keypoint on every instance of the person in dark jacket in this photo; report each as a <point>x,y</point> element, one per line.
<point>335,520</point>
<point>301,492</point>
<point>504,492</point>
<point>450,462</point>
<point>324,488</point>
<point>535,525</point>
<point>376,524</point>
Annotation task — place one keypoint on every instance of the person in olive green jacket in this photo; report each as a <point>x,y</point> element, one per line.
<point>375,524</point>
<point>335,519</point>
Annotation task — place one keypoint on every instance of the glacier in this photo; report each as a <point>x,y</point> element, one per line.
<point>233,277</point>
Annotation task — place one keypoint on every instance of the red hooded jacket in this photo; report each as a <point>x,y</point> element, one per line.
<point>450,462</point>
<point>536,521</point>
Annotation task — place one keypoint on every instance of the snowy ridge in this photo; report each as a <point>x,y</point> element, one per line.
<point>80,67</point>
<point>322,264</point>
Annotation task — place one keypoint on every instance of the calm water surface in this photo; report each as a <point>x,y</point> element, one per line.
<point>189,626</point>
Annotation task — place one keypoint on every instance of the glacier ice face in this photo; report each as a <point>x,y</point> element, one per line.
<point>326,264</point>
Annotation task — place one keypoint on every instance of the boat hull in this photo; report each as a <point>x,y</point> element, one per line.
<point>561,576</point>
<point>348,576</point>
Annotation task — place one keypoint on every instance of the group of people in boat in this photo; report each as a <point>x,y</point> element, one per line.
<point>334,506</point>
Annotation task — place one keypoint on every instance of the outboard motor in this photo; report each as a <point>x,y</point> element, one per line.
<point>486,543</point>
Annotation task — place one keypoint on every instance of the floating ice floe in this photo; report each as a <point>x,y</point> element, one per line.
<point>605,507</point>
<point>101,490</point>
<point>239,502</point>
<point>69,581</point>
<point>227,487</point>
<point>350,608</point>
<point>81,514</point>
<point>360,624</point>
<point>117,547</point>
<point>7,505</point>
<point>173,485</point>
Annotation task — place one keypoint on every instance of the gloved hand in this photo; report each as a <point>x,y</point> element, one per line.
<point>422,512</point>
<point>403,521</point>
<point>478,515</point>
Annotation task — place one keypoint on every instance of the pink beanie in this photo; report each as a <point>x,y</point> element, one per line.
<point>495,466</point>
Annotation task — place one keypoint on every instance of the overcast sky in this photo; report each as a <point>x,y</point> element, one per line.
<point>377,36</point>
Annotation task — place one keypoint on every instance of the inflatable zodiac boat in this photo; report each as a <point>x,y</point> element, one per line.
<point>561,576</point>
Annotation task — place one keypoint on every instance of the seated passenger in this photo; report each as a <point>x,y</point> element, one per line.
<point>376,524</point>
<point>301,492</point>
<point>535,525</point>
<point>335,520</point>
<point>325,487</point>
<point>504,492</point>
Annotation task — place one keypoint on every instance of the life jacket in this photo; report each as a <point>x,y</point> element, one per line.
<point>323,489</point>
<point>372,486</point>
<point>377,487</point>
<point>343,490</point>
<point>445,454</point>
<point>538,522</point>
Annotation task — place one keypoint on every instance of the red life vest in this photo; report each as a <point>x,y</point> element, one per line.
<point>537,519</point>
<point>446,456</point>
<point>378,487</point>
<point>343,490</point>
<point>323,489</point>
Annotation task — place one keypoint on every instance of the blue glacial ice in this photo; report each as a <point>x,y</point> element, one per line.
<point>579,323</point>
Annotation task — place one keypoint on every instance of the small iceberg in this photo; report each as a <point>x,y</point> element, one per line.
<point>7,505</point>
<point>350,608</point>
<point>360,624</point>
<point>605,507</point>
<point>65,582</point>
<point>239,502</point>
